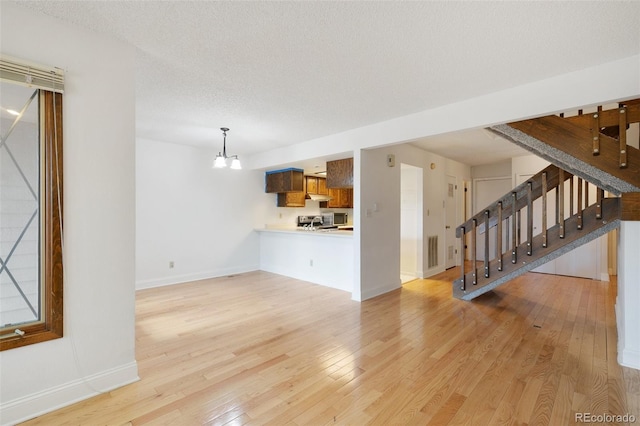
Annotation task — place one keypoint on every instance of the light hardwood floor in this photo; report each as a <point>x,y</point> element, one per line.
<point>259,348</point>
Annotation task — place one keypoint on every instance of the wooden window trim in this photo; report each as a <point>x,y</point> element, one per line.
<point>52,325</point>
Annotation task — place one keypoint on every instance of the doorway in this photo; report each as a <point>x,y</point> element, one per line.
<point>411,190</point>
<point>451,208</point>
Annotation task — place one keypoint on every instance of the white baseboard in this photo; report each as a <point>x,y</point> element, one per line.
<point>431,272</point>
<point>626,357</point>
<point>629,358</point>
<point>604,277</point>
<point>373,292</point>
<point>179,279</point>
<point>51,399</point>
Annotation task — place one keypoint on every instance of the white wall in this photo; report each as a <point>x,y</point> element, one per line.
<point>627,312</point>
<point>99,220</point>
<point>379,207</point>
<point>200,218</point>
<point>499,169</point>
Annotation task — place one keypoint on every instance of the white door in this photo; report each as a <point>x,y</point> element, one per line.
<point>451,208</point>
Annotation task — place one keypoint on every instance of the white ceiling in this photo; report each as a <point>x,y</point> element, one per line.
<point>473,147</point>
<point>279,73</point>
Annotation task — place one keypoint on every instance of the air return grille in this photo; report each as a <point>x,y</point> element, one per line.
<point>432,260</point>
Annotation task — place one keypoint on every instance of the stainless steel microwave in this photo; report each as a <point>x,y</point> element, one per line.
<point>340,219</point>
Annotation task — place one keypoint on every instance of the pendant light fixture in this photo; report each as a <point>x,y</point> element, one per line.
<point>221,158</point>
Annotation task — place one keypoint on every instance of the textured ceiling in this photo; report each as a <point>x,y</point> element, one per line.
<point>279,73</point>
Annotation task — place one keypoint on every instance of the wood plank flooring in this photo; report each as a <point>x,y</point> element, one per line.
<point>260,348</point>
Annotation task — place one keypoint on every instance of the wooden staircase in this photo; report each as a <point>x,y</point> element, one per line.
<point>585,150</point>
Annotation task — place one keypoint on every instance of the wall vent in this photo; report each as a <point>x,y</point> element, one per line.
<point>432,260</point>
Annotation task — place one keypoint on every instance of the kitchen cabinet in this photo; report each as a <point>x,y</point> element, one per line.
<point>340,173</point>
<point>291,199</point>
<point>285,180</point>
<point>340,198</point>
<point>316,185</point>
<point>312,184</point>
<point>322,187</point>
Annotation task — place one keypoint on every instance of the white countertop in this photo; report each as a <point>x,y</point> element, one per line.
<point>318,233</point>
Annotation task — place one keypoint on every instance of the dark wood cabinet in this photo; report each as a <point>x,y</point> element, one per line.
<point>340,173</point>
<point>285,180</point>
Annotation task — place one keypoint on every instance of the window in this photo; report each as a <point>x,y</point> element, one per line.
<point>31,273</point>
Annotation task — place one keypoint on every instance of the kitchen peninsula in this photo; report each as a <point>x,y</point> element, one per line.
<point>322,257</point>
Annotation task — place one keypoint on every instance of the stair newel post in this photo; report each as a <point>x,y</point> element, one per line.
<point>623,138</point>
<point>474,266</point>
<point>461,234</point>
<point>499,237</point>
<point>580,203</point>
<point>599,196</point>
<point>529,218</point>
<point>561,201</point>
<point>486,244</point>
<point>514,245</point>
<point>544,209</point>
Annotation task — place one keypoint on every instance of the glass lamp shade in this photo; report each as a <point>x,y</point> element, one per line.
<point>235,164</point>
<point>219,162</point>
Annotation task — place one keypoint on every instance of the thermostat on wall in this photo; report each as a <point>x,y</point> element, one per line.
<point>391,160</point>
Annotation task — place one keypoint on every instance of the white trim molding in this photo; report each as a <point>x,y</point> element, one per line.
<point>37,404</point>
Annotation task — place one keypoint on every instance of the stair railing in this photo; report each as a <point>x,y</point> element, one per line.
<point>611,123</point>
<point>507,211</point>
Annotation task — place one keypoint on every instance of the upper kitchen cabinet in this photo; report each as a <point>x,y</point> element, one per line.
<point>322,186</point>
<point>285,180</point>
<point>312,184</point>
<point>340,173</point>
<point>316,185</point>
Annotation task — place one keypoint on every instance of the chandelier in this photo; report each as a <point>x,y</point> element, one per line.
<point>221,158</point>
